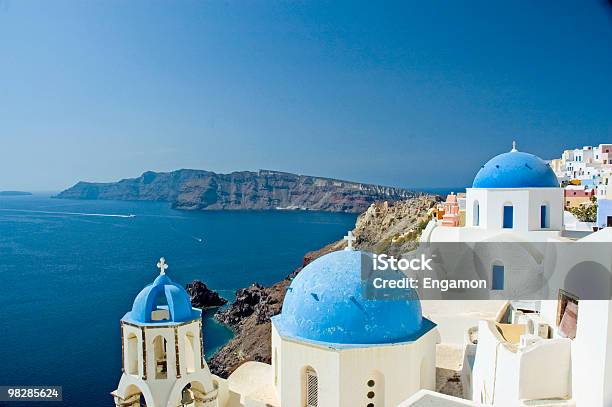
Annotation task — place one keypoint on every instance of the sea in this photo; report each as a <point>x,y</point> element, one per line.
<point>70,269</point>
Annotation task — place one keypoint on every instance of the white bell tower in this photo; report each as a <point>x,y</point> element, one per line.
<point>163,361</point>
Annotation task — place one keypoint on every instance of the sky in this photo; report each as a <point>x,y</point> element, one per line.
<point>410,94</point>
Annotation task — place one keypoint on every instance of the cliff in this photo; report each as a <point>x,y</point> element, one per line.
<point>383,226</point>
<point>205,190</point>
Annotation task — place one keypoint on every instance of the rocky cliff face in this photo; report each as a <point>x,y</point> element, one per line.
<point>205,190</point>
<point>391,228</point>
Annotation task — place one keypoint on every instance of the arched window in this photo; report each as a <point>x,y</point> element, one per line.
<point>132,354</point>
<point>133,397</point>
<point>508,221</point>
<point>193,393</point>
<point>161,311</point>
<point>311,387</point>
<point>476,214</point>
<point>190,354</point>
<point>497,277</point>
<point>161,359</point>
<point>544,221</point>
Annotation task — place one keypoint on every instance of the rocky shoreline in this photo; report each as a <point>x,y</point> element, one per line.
<point>388,227</point>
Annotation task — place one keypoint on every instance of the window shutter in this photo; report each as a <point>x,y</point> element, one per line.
<point>312,392</point>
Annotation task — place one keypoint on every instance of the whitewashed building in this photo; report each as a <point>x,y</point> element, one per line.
<point>331,346</point>
<point>554,352</point>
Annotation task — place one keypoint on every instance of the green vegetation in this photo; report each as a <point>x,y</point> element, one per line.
<point>586,213</point>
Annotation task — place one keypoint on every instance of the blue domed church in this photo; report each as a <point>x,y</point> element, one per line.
<point>331,346</point>
<point>163,361</point>
<point>515,191</point>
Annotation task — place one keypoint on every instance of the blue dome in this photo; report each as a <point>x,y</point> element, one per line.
<point>325,304</point>
<point>177,300</point>
<point>516,169</point>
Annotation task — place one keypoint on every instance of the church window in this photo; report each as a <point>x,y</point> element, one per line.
<point>508,222</point>
<point>371,394</point>
<point>497,278</point>
<point>544,223</point>
<point>190,354</point>
<point>312,388</point>
<point>476,214</point>
<point>161,360</point>
<point>371,383</point>
<point>132,354</point>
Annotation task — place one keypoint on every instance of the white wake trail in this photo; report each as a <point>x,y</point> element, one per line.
<point>106,215</point>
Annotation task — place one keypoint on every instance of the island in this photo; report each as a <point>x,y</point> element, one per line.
<point>14,193</point>
<point>189,189</point>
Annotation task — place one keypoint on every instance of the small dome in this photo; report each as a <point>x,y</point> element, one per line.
<point>163,290</point>
<point>325,303</point>
<point>516,169</point>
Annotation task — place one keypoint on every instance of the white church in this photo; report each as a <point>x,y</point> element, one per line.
<point>556,351</point>
<point>333,347</point>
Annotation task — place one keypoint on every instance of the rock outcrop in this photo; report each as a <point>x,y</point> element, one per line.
<point>393,228</point>
<point>205,190</point>
<point>383,226</point>
<point>203,297</point>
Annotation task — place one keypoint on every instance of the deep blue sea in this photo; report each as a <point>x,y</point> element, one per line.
<point>69,272</point>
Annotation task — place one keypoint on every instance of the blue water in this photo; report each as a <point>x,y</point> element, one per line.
<point>68,275</point>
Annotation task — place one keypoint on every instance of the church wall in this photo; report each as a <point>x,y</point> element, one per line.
<point>296,357</point>
<point>277,365</point>
<point>525,201</point>
<point>473,195</point>
<point>399,367</point>
<point>553,198</point>
<point>497,198</point>
<point>343,374</point>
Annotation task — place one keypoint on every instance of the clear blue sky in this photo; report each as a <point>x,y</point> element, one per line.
<point>406,94</point>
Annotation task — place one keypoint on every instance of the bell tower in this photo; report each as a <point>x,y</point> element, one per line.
<point>163,361</point>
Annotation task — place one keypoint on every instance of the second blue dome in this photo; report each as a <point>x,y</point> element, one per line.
<point>516,169</point>
<point>325,304</point>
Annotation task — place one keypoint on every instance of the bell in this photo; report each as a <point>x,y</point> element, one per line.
<point>187,398</point>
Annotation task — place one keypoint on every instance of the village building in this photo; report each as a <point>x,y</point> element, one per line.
<point>539,351</point>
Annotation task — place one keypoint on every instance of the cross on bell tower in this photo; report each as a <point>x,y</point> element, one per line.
<point>350,238</point>
<point>162,266</point>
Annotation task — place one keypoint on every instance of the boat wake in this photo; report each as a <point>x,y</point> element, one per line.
<point>106,215</point>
